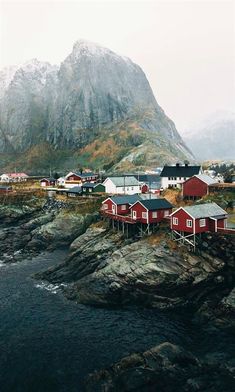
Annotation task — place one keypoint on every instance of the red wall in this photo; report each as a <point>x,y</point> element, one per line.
<point>139,209</point>
<point>182,217</point>
<point>221,223</point>
<point>144,188</point>
<point>73,177</point>
<point>123,212</point>
<point>118,208</point>
<point>109,203</point>
<point>202,229</point>
<point>194,187</point>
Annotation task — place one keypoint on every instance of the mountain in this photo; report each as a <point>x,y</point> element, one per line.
<point>97,109</point>
<point>213,138</point>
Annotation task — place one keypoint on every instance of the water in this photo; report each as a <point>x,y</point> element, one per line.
<point>48,343</point>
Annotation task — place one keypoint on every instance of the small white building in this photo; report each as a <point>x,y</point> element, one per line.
<point>123,185</point>
<point>60,181</point>
<point>174,176</point>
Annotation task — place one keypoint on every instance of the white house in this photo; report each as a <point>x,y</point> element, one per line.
<point>13,177</point>
<point>61,181</point>
<point>126,185</point>
<point>174,176</point>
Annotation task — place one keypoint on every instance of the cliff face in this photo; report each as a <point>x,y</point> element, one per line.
<point>95,95</point>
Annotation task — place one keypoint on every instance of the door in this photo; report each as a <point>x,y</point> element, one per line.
<point>113,209</point>
<point>134,214</point>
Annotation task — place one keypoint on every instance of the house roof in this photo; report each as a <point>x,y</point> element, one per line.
<point>180,171</point>
<point>156,204</point>
<point>15,175</point>
<point>147,178</point>
<point>89,185</point>
<point>205,210</point>
<point>126,199</point>
<point>75,189</point>
<point>205,178</point>
<point>47,179</point>
<point>82,175</point>
<point>124,181</point>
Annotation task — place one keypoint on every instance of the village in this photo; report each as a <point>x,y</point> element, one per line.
<point>138,204</point>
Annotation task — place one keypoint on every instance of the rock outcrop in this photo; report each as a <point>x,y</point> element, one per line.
<point>105,270</point>
<point>167,368</point>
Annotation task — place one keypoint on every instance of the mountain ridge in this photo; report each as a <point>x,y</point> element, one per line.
<point>90,97</point>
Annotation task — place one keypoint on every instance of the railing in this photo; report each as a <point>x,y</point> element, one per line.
<point>121,218</point>
<point>226,230</point>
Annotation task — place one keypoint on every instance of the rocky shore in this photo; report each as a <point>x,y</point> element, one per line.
<point>167,368</point>
<point>45,224</point>
<point>104,269</point>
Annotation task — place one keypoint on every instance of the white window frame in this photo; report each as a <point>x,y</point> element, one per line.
<point>154,214</point>
<point>202,222</point>
<point>189,223</point>
<point>175,221</point>
<point>105,206</point>
<point>134,214</point>
<point>144,215</point>
<point>166,213</point>
<point>123,207</point>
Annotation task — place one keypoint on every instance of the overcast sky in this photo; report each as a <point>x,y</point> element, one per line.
<point>186,48</point>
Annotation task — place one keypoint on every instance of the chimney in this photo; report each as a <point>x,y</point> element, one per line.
<point>186,163</point>
<point>177,165</point>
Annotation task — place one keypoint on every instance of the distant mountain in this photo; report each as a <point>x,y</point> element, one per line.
<point>215,138</point>
<point>97,109</point>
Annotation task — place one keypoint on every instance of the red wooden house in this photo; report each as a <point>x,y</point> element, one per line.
<point>198,219</point>
<point>118,205</point>
<point>48,182</point>
<point>151,210</point>
<point>81,177</point>
<point>197,186</point>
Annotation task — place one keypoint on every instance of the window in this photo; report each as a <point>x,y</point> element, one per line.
<point>105,206</point>
<point>169,178</point>
<point>144,215</point>
<point>202,222</point>
<point>132,188</point>
<point>123,207</point>
<point>189,223</point>
<point>175,221</point>
<point>90,190</point>
<point>127,189</point>
<point>184,178</point>
<point>134,214</point>
<point>154,214</point>
<point>166,213</point>
<point>123,189</point>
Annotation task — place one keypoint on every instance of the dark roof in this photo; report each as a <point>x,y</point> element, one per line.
<point>85,175</point>
<point>156,204</point>
<point>89,185</point>
<point>147,178</point>
<point>75,189</point>
<point>48,179</point>
<point>125,199</point>
<point>180,171</point>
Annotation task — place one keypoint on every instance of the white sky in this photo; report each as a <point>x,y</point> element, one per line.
<point>186,48</point>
